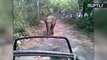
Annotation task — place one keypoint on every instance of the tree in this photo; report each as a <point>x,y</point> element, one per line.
<point>83,5</point>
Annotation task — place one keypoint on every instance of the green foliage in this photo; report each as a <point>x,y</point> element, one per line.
<point>25,15</point>
<point>86,24</point>
<point>63,4</point>
<point>19,26</point>
<point>83,5</point>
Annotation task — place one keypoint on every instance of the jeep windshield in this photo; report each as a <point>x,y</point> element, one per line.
<point>42,48</point>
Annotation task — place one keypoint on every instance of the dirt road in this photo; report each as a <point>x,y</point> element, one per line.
<point>81,44</point>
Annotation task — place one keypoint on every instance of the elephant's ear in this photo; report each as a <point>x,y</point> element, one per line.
<point>54,18</point>
<point>45,18</point>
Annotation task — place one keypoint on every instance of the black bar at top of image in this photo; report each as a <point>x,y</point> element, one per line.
<point>97,5</point>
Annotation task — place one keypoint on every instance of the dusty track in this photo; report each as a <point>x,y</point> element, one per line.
<point>81,44</point>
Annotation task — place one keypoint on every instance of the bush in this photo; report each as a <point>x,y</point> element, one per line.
<point>86,24</point>
<point>19,26</point>
<point>25,16</point>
